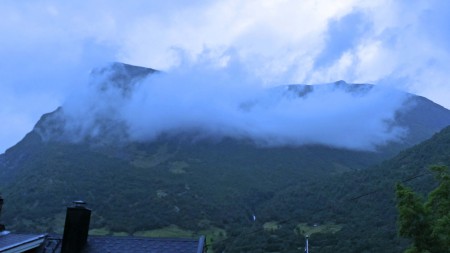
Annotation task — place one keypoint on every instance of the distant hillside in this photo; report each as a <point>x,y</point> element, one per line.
<point>211,185</point>
<point>360,205</point>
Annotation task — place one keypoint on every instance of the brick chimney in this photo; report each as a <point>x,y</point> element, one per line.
<point>2,227</point>
<point>76,227</point>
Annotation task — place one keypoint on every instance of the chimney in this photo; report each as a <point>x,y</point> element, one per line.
<point>2,227</point>
<point>76,227</point>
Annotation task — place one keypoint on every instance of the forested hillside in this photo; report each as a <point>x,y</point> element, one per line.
<point>246,197</point>
<point>341,209</point>
<point>353,211</point>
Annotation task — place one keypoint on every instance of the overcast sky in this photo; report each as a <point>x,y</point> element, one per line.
<point>47,48</point>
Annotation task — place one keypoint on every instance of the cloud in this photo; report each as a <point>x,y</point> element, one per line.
<point>383,42</point>
<point>269,38</point>
<point>47,46</point>
<point>400,47</point>
<point>206,102</point>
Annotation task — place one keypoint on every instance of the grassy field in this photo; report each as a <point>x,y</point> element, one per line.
<point>100,231</point>
<point>169,231</point>
<point>305,229</point>
<point>271,226</point>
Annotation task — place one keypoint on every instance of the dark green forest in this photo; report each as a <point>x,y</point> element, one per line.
<point>343,208</point>
<point>244,197</point>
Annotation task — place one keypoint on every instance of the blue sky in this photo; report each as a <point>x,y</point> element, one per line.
<point>47,48</point>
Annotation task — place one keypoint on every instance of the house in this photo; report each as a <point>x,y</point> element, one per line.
<point>76,239</point>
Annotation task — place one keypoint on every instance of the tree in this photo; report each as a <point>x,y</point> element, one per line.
<point>427,223</point>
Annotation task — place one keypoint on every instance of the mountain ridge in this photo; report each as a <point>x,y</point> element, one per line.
<point>419,116</point>
<point>197,183</point>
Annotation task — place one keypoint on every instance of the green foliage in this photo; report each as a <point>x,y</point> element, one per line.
<point>426,223</point>
<point>214,188</point>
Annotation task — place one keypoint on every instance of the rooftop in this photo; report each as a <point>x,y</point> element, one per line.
<point>10,243</point>
<point>76,239</point>
<point>113,244</point>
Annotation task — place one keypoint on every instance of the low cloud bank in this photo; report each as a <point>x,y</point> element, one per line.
<point>216,104</point>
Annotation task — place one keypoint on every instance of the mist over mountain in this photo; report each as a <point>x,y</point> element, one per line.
<point>203,151</point>
<point>129,103</point>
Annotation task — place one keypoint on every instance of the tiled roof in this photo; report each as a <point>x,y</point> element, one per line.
<point>114,244</point>
<point>18,242</point>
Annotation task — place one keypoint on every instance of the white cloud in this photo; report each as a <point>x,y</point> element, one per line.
<point>269,37</point>
<point>211,103</point>
<point>402,43</point>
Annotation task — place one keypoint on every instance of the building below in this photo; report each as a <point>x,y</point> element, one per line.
<point>76,240</point>
<point>17,243</point>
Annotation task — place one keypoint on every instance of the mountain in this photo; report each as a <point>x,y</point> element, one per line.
<point>349,212</point>
<point>211,185</point>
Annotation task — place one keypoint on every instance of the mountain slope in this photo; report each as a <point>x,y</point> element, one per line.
<point>203,183</point>
<point>360,204</point>
<point>192,193</point>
